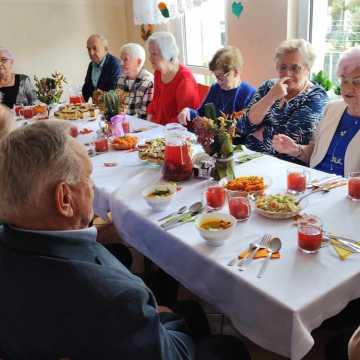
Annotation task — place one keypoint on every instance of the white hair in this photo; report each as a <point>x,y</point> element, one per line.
<point>302,46</point>
<point>349,61</point>
<point>33,159</point>
<point>135,51</point>
<point>8,53</point>
<point>167,45</point>
<point>7,122</point>
<point>102,38</point>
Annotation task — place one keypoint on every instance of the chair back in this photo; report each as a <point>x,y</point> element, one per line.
<point>203,91</point>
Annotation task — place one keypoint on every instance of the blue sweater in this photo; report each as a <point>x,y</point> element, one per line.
<point>226,101</point>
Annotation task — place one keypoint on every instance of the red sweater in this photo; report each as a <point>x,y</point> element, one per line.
<point>169,99</point>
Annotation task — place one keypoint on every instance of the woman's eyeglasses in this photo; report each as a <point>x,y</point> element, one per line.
<point>4,60</point>
<point>222,77</point>
<point>355,82</point>
<point>295,68</point>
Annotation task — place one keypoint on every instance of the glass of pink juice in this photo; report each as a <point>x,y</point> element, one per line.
<point>310,234</point>
<point>354,186</point>
<point>215,197</point>
<point>297,179</point>
<point>239,205</point>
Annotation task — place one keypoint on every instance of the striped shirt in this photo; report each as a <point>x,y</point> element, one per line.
<point>297,118</point>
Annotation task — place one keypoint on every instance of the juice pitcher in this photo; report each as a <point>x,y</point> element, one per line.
<point>177,160</point>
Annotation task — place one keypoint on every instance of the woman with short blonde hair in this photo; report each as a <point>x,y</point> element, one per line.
<point>230,95</point>
<point>290,105</point>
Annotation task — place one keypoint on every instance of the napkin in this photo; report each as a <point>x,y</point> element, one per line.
<point>261,253</point>
<point>340,250</point>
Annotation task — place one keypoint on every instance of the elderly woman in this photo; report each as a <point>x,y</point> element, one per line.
<point>335,147</point>
<point>229,94</point>
<point>14,88</point>
<point>290,105</point>
<point>174,87</point>
<point>135,80</point>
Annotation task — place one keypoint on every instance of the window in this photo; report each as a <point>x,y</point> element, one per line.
<point>341,31</point>
<point>203,32</point>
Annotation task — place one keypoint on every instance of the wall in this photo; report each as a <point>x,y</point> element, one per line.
<point>50,34</point>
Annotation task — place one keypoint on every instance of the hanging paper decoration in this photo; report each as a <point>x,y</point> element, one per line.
<point>146,31</point>
<point>164,10</point>
<point>154,11</point>
<point>237,8</point>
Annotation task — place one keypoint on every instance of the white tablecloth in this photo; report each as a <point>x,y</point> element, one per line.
<point>298,291</point>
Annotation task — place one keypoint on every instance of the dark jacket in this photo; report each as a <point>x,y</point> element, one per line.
<point>66,297</point>
<point>108,79</point>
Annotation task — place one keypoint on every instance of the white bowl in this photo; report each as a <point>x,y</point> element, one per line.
<point>161,202</point>
<point>215,237</point>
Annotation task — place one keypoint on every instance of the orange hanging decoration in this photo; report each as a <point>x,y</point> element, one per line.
<point>146,31</point>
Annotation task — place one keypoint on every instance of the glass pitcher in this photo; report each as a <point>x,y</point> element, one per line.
<point>177,159</point>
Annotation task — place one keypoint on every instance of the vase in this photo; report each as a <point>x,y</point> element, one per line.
<point>224,168</point>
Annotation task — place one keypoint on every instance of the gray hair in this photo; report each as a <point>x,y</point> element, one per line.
<point>167,45</point>
<point>302,46</point>
<point>135,51</point>
<point>102,38</point>
<point>7,122</point>
<point>33,159</point>
<point>8,54</point>
<point>349,61</point>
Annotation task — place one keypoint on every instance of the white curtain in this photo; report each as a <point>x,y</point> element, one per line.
<point>147,11</point>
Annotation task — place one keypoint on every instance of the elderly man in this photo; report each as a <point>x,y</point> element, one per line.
<point>135,80</point>
<point>63,294</point>
<point>103,71</point>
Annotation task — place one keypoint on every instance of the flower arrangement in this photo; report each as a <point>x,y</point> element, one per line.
<point>216,135</point>
<point>50,89</point>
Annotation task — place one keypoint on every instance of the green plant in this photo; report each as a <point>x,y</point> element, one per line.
<point>112,104</point>
<point>321,79</point>
<point>50,89</point>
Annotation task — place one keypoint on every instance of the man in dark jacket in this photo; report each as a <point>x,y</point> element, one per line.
<point>63,295</point>
<point>104,70</point>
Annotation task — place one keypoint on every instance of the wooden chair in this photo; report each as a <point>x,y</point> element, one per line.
<point>203,91</point>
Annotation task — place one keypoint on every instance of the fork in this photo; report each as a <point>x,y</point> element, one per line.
<point>243,263</point>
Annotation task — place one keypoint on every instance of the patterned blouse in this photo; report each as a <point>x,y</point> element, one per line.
<point>140,92</point>
<point>297,118</point>
<point>25,95</point>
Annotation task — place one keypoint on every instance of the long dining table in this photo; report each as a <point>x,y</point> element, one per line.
<point>298,291</point>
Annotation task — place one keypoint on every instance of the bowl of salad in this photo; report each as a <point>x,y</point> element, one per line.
<point>278,206</point>
<point>159,196</point>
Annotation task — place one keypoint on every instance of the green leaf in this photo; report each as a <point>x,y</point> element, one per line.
<point>210,111</point>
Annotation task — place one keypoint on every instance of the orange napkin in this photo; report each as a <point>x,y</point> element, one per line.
<point>261,253</point>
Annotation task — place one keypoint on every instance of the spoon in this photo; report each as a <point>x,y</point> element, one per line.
<point>272,246</point>
<point>179,212</point>
<point>194,209</point>
<point>188,217</point>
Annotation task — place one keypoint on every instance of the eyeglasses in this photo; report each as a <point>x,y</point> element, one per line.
<point>4,60</point>
<point>355,82</point>
<point>295,68</point>
<point>222,77</point>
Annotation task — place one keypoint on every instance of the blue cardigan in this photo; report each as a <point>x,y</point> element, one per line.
<point>226,101</point>
<point>108,79</point>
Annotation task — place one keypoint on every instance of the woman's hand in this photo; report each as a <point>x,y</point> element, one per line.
<point>183,116</point>
<point>284,144</point>
<point>279,90</point>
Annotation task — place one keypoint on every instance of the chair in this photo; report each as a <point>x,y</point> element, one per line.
<point>203,91</point>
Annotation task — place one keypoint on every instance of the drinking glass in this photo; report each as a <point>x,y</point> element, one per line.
<point>310,234</point>
<point>297,179</point>
<point>239,204</point>
<point>214,196</point>
<point>28,112</point>
<point>354,186</point>
<point>18,110</point>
